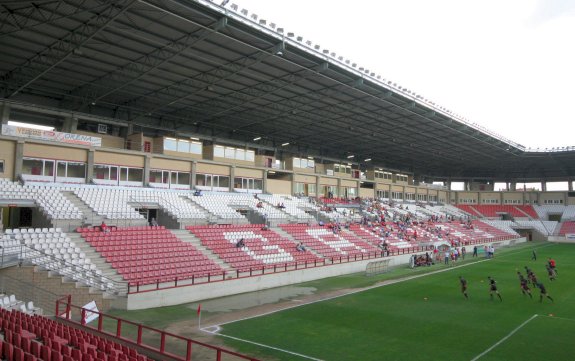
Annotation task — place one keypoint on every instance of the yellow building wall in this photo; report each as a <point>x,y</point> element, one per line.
<point>328,181</point>
<point>301,178</point>
<point>55,152</point>
<point>348,183</point>
<point>366,192</point>
<point>8,155</point>
<point>169,164</point>
<point>278,186</point>
<point>206,168</point>
<point>249,173</point>
<point>129,160</point>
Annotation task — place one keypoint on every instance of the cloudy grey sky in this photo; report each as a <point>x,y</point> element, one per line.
<point>507,65</point>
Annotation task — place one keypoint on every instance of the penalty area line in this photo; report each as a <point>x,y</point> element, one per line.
<point>504,338</point>
<point>270,347</point>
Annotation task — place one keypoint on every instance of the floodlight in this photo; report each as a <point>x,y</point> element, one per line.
<point>284,144</point>
<point>263,22</point>
<point>367,160</point>
<point>257,138</point>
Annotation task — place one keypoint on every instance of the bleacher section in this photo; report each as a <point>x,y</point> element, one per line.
<point>51,201</point>
<point>220,205</point>
<point>144,255</point>
<point>34,337</point>
<point>292,207</point>
<point>469,210</point>
<point>505,226</point>
<point>111,203</point>
<point>568,214</point>
<point>326,243</point>
<point>495,211</point>
<point>567,228</point>
<point>263,248</point>
<point>54,251</point>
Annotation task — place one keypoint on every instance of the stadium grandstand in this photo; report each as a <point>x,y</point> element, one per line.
<point>154,150</point>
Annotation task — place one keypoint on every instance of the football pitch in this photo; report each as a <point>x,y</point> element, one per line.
<point>428,318</point>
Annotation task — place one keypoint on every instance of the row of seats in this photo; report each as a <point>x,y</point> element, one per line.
<point>262,248</point>
<point>34,337</point>
<point>53,250</point>
<point>126,250</point>
<point>493,211</point>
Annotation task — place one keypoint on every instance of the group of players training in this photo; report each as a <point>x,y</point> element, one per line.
<point>523,282</point>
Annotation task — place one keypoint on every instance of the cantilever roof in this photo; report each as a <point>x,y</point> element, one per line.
<point>196,68</point>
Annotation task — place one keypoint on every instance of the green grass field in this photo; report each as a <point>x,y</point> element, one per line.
<point>428,318</point>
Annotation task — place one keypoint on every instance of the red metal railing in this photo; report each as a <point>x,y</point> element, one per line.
<point>166,344</point>
<point>288,267</point>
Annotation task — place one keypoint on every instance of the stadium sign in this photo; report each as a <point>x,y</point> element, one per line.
<point>570,236</point>
<point>51,136</point>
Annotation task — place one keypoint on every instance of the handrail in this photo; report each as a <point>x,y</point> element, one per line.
<point>64,309</point>
<point>68,269</point>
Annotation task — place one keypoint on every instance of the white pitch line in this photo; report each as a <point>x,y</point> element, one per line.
<point>504,338</point>
<point>390,282</point>
<point>271,347</point>
<point>387,283</point>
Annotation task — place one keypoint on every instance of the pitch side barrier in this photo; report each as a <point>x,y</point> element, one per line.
<point>156,342</point>
<point>137,287</point>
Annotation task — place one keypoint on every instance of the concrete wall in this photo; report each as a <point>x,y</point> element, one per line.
<point>48,289</point>
<point>186,294</point>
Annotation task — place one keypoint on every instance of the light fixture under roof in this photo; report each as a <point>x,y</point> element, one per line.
<point>350,156</point>
<point>284,144</point>
<point>257,138</point>
<point>194,138</point>
<point>367,160</point>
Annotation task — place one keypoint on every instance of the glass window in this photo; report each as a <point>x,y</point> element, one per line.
<point>183,146</point>
<point>258,184</point>
<point>303,163</point>
<point>195,147</point>
<point>61,169</point>
<point>76,170</point>
<point>240,154</point>
<point>250,155</point>
<point>219,151</point>
<point>135,174</point>
<point>170,144</point>
<point>230,152</point>
<point>123,174</point>
<point>296,162</point>
<point>200,179</point>
<point>2,166</point>
<point>223,181</point>
<point>184,178</point>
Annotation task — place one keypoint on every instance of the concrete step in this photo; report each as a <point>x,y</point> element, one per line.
<point>186,236</point>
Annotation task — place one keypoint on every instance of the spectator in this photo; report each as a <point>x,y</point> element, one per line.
<point>198,193</point>
<point>300,247</point>
<point>104,227</point>
<point>240,243</point>
<point>153,222</point>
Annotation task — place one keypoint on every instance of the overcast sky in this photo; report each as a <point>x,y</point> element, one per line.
<point>507,65</point>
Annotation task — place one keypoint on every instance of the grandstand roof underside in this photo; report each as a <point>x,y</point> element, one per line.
<point>186,67</point>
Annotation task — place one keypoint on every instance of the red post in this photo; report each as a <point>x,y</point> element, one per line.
<point>119,328</point>
<point>100,321</point>
<point>69,307</point>
<point>139,340</point>
<point>83,320</point>
<point>162,342</point>
<point>189,351</point>
<point>219,355</point>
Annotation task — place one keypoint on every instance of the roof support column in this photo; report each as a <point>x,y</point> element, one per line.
<point>265,182</point>
<point>4,112</point>
<point>147,170</point>
<point>338,189</point>
<point>90,166</point>
<point>18,160</point>
<point>317,194</point>
<point>194,174</point>
<point>232,177</point>
<point>543,186</point>
<point>570,185</point>
<point>70,125</point>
